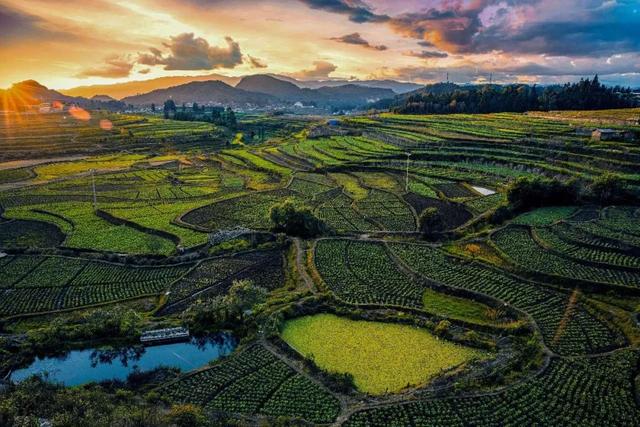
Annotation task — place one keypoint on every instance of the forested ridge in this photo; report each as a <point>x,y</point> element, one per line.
<point>442,98</point>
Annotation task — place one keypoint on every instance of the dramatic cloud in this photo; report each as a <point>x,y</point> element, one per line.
<point>356,10</point>
<point>571,27</point>
<point>426,54</point>
<point>115,66</point>
<point>18,26</point>
<point>356,39</point>
<point>451,28</point>
<point>256,62</point>
<point>321,70</point>
<point>190,53</point>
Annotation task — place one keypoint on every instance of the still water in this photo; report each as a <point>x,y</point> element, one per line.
<point>100,364</point>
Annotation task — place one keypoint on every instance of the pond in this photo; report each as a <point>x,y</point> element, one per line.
<point>101,364</point>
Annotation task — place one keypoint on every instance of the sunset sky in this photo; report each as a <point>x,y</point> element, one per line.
<point>79,42</point>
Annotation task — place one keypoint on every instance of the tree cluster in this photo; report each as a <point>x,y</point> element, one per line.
<point>445,98</point>
<point>295,220</point>
<point>217,115</point>
<point>528,193</point>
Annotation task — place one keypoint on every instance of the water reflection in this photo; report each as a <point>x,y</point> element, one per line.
<point>108,363</point>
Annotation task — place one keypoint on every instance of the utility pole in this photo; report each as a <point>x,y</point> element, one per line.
<point>406,185</point>
<point>93,185</point>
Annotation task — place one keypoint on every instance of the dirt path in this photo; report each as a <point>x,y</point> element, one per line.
<point>301,265</point>
<point>15,164</point>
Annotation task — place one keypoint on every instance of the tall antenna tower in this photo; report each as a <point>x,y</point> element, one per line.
<point>447,77</point>
<point>491,78</point>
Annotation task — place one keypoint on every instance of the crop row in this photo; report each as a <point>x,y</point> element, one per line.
<point>212,275</point>
<point>562,322</point>
<point>362,273</point>
<point>585,392</point>
<point>255,381</point>
<point>31,284</point>
<point>518,244</point>
<point>555,241</point>
<point>250,211</point>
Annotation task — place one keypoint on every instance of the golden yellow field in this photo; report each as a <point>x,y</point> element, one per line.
<point>381,357</point>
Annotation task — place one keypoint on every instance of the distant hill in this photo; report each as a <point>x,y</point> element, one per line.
<point>30,92</point>
<point>209,92</point>
<point>342,96</point>
<point>137,87</point>
<point>270,85</point>
<point>397,87</point>
<point>102,98</point>
<point>446,98</point>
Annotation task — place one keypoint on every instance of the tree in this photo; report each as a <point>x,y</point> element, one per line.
<point>169,108</point>
<point>529,193</point>
<point>153,108</point>
<point>244,295</point>
<point>295,220</point>
<point>609,188</point>
<point>229,119</point>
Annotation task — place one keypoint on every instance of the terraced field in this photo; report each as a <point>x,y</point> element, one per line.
<point>232,386</point>
<point>32,284</point>
<point>486,318</point>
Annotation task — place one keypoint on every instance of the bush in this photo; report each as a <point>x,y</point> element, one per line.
<point>186,416</point>
<point>295,220</point>
<point>610,189</point>
<point>529,193</point>
<point>442,328</point>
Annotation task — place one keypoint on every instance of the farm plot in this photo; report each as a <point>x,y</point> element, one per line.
<point>545,216</point>
<point>381,357</point>
<point>362,273</point>
<point>215,276</point>
<point>255,381</point>
<point>483,204</point>
<point>32,284</point>
<point>310,185</point>
<point>566,326</point>
<point>578,392</point>
<point>388,210</point>
<point>453,214</point>
<point>250,211</point>
<point>455,191</point>
<point>575,233</point>
<point>519,246</point>
<point>14,175</point>
<point>160,216</point>
<point>339,214</point>
<point>548,238</point>
<point>29,234</point>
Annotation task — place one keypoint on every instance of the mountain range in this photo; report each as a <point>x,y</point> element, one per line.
<point>260,90</point>
<point>139,87</point>
<point>263,90</point>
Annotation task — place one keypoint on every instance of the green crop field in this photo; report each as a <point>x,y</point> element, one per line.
<point>392,290</point>
<point>382,358</point>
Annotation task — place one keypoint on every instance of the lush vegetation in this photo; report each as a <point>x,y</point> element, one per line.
<point>521,308</point>
<point>588,94</point>
<point>381,358</point>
